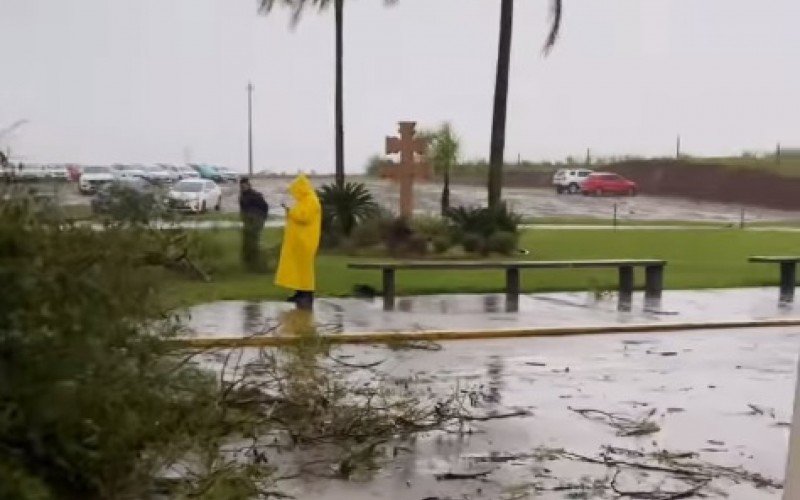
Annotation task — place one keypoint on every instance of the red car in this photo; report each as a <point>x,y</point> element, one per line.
<point>601,183</point>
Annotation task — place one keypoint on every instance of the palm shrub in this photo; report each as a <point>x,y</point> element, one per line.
<point>476,228</point>
<point>343,208</point>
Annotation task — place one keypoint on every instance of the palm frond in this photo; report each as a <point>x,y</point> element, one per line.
<point>555,25</point>
<point>296,6</point>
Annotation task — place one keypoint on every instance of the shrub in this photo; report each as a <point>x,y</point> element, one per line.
<point>94,403</point>
<point>476,227</point>
<point>344,207</point>
<point>484,221</point>
<point>502,242</point>
<point>472,242</point>
<point>369,232</point>
<point>441,244</point>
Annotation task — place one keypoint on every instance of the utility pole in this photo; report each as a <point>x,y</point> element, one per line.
<point>250,128</point>
<point>678,148</point>
<point>778,154</point>
<point>588,156</point>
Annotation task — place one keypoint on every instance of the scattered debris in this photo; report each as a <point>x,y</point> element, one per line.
<point>761,410</point>
<point>407,345</point>
<point>535,363</point>
<point>625,425</point>
<point>663,475</point>
<point>455,476</point>
<point>662,353</point>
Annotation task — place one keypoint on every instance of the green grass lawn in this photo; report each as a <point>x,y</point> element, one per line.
<point>698,258</point>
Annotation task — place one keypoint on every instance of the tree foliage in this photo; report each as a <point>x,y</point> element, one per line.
<point>92,402</point>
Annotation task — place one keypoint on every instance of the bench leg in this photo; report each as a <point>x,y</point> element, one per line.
<point>788,276</point>
<point>625,288</point>
<point>512,289</point>
<point>388,289</point>
<point>653,286</point>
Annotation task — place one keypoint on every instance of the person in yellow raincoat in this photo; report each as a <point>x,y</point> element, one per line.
<point>300,243</point>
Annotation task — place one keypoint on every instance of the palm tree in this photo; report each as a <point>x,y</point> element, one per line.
<point>498,142</point>
<point>297,7</point>
<point>443,154</point>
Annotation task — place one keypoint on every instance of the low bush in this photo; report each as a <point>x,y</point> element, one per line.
<point>484,230</point>
<point>343,209</point>
<point>502,242</point>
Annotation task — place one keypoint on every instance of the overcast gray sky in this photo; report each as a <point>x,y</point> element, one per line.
<point>164,80</point>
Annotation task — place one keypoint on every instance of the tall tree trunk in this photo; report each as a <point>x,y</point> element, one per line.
<point>339,112</point>
<point>495,183</point>
<point>446,192</point>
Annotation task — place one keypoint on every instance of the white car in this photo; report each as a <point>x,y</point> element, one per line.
<point>228,174</point>
<point>157,174</point>
<point>195,195</point>
<point>188,172</point>
<point>180,173</point>
<point>569,180</point>
<point>56,172</point>
<point>127,171</point>
<point>30,172</point>
<point>93,178</point>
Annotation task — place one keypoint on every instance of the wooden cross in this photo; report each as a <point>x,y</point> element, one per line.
<point>409,168</point>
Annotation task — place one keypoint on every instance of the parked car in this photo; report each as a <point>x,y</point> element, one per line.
<point>30,172</point>
<point>127,171</point>
<point>568,180</point>
<point>195,195</point>
<point>93,178</point>
<point>186,172</point>
<point>601,183</point>
<point>172,172</point>
<point>56,172</point>
<point>228,174</point>
<point>74,173</point>
<point>209,172</point>
<point>157,175</point>
<point>126,197</point>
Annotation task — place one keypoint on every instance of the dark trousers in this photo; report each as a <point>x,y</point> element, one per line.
<point>251,243</point>
<point>303,300</point>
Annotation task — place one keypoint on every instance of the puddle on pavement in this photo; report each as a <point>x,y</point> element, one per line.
<point>702,399</point>
<point>487,311</point>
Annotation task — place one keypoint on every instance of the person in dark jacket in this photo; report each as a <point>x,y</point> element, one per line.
<point>253,210</point>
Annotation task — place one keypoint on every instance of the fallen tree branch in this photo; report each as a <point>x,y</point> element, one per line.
<point>656,494</point>
<point>450,476</point>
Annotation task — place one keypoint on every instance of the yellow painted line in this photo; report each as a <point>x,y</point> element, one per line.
<point>443,335</point>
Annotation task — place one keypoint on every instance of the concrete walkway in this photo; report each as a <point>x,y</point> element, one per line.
<point>481,313</point>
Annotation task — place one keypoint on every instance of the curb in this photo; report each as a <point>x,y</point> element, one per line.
<point>444,335</point>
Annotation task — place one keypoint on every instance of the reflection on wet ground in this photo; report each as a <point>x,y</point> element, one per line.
<point>721,398</point>
<point>476,312</point>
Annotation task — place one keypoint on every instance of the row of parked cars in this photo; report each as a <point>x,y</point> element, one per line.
<point>33,172</point>
<point>588,182</point>
<point>194,195</point>
<point>93,177</point>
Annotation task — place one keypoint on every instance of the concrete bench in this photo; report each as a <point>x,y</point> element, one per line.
<point>788,265</point>
<point>654,275</point>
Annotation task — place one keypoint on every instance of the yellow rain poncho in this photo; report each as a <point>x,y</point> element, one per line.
<point>300,238</point>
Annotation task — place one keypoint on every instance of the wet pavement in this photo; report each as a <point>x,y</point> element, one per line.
<point>722,398</point>
<point>487,312</point>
